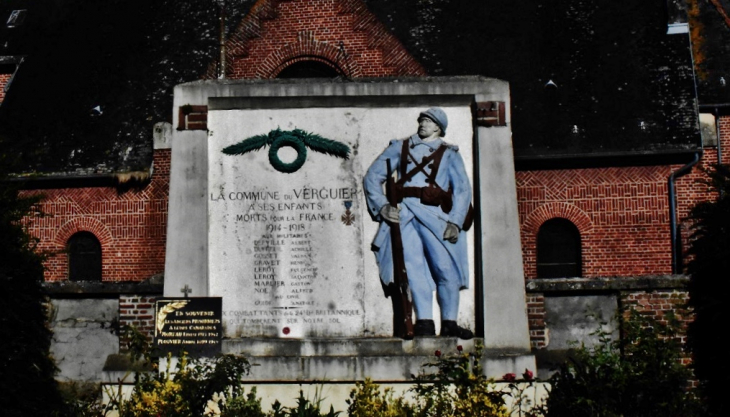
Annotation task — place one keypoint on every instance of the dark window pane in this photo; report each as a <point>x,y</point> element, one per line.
<point>84,257</point>
<point>558,249</point>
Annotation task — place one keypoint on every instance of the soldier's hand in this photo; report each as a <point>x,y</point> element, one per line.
<point>390,213</point>
<point>451,233</point>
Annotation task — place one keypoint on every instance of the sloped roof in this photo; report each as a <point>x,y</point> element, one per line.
<point>623,84</point>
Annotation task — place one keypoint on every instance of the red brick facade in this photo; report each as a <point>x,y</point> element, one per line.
<point>4,78</point>
<point>131,226</point>
<point>137,311</point>
<point>660,304</point>
<point>341,34</point>
<point>536,314</point>
<point>622,213</point>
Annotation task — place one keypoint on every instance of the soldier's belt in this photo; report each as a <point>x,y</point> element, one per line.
<point>430,196</point>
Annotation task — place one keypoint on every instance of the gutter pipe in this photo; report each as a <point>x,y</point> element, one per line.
<point>676,254</point>
<point>717,132</point>
<point>719,143</point>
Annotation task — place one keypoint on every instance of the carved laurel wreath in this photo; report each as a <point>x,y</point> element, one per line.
<point>167,309</point>
<point>297,139</point>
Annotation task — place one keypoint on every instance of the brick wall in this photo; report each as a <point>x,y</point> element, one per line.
<point>4,78</point>
<point>137,311</point>
<point>536,315</point>
<point>340,33</point>
<point>622,215</point>
<point>658,305</point>
<point>725,137</point>
<point>691,188</point>
<point>131,226</point>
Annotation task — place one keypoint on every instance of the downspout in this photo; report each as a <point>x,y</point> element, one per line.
<point>676,254</point>
<point>719,143</point>
<point>680,24</point>
<point>717,133</point>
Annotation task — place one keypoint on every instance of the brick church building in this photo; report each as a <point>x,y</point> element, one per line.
<point>603,194</point>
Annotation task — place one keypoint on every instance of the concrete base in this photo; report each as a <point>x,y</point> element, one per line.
<point>346,360</point>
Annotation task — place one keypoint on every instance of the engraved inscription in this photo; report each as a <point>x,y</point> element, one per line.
<point>287,285</point>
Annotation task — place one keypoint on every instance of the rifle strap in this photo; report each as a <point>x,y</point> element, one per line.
<point>435,157</point>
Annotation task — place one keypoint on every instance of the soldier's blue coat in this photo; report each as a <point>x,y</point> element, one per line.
<point>431,261</point>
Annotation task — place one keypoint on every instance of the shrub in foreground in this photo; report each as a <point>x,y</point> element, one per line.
<point>639,375</point>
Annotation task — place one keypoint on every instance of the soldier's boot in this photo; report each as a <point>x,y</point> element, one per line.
<point>450,328</point>
<point>424,328</point>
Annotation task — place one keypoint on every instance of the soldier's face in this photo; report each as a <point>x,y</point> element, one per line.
<point>427,128</point>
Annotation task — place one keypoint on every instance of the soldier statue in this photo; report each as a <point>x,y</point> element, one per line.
<point>433,213</point>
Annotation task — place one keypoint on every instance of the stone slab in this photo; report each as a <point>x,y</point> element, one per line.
<point>388,359</point>
<point>282,238</point>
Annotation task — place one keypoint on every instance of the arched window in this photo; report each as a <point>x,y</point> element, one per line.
<point>558,249</point>
<point>308,69</point>
<point>84,257</point>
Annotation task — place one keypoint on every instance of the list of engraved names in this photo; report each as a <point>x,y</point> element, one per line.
<point>295,243</point>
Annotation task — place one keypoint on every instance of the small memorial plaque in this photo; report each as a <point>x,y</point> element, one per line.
<point>192,325</point>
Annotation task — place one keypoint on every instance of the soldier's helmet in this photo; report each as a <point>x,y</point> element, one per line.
<point>438,116</point>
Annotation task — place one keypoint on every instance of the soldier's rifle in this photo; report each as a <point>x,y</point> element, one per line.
<point>404,304</point>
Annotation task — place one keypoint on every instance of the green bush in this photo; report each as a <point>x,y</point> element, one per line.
<point>27,371</point>
<point>244,406</point>
<point>194,387</point>
<point>458,389</point>
<point>82,399</point>
<point>639,375</point>
<point>367,400</point>
<point>189,389</point>
<point>304,408</point>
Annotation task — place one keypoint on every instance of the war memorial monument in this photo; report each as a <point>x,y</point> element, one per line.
<point>270,213</point>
